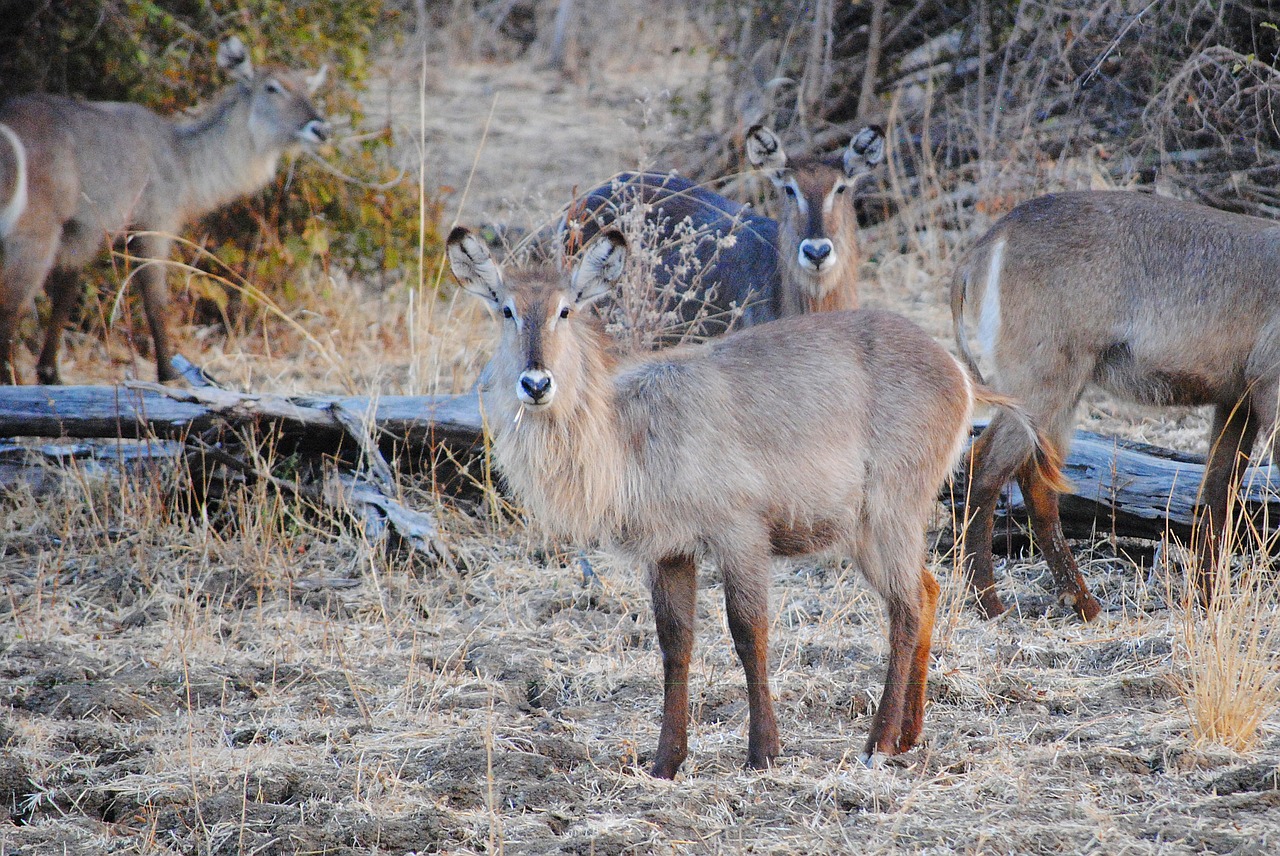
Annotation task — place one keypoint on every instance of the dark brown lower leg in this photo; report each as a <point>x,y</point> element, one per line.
<point>155,302</point>
<point>1042,504</point>
<point>747,608</point>
<point>63,288</point>
<point>674,586</point>
<point>1234,431</point>
<point>982,486</point>
<point>904,634</point>
<point>917,684</point>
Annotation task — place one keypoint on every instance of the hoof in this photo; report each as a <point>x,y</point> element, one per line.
<point>873,760</point>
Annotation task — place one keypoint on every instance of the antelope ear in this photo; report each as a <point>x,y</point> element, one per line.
<point>764,149</point>
<point>315,81</point>
<point>600,268</point>
<point>866,151</point>
<point>474,268</point>
<point>233,58</point>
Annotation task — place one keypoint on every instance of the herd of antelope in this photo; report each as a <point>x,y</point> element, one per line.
<point>816,427</point>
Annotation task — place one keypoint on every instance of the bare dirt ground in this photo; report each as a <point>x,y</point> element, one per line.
<point>265,681</point>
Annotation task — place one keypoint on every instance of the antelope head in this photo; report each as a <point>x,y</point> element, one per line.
<point>540,342</point>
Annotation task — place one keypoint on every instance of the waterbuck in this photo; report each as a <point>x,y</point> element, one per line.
<point>1157,301</point>
<point>76,174</point>
<point>818,229</point>
<point>826,433</point>
<point>767,270</point>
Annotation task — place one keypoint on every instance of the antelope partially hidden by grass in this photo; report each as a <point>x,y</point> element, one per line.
<point>828,433</point>
<point>1157,301</point>
<point>806,262</point>
<point>76,174</point>
<point>818,229</point>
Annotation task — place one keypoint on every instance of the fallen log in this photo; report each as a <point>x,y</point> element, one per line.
<point>198,425</point>
<point>1119,487</point>
<point>136,410</point>
<point>1129,489</point>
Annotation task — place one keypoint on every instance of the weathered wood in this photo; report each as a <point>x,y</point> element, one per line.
<point>1121,487</point>
<point>1135,489</point>
<point>140,410</point>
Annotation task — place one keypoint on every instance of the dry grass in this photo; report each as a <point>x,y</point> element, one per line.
<point>1231,647</point>
<point>265,681</point>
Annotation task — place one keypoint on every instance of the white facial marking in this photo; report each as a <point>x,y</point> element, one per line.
<point>535,388</point>
<point>816,254</point>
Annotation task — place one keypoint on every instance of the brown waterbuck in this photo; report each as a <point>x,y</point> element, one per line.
<point>818,229</point>
<point>767,271</point>
<point>827,433</point>
<point>1155,300</point>
<point>76,174</point>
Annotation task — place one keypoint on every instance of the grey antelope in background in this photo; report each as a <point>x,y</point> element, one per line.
<point>818,227</point>
<point>826,433</point>
<point>75,174</point>
<point>807,262</point>
<point>1157,301</point>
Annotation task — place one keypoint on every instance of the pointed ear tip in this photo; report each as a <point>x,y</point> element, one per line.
<point>616,238</point>
<point>457,234</point>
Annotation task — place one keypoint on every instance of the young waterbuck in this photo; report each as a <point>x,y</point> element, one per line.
<point>1157,301</point>
<point>828,433</point>
<point>75,174</point>
<point>768,270</point>
<point>818,229</point>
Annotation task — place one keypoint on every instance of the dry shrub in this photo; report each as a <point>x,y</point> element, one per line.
<point>680,305</point>
<point>1231,647</point>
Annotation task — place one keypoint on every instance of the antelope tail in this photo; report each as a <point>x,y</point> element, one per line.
<point>13,179</point>
<point>1046,457</point>
<point>959,294</point>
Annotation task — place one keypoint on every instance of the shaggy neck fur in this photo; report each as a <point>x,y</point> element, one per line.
<point>565,462</point>
<point>220,159</point>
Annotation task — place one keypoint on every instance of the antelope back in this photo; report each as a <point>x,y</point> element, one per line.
<point>716,260</point>
<point>818,225</point>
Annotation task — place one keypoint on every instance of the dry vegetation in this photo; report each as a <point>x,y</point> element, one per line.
<point>262,679</point>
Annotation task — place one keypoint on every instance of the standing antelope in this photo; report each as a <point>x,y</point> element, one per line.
<point>824,433</point>
<point>1158,301</point>
<point>77,173</point>
<point>818,230</point>
<point>806,263</point>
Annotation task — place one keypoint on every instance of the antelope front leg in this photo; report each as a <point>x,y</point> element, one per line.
<point>155,301</point>
<point>904,636</point>
<point>746,595</point>
<point>913,718</point>
<point>1231,438</point>
<point>674,586</point>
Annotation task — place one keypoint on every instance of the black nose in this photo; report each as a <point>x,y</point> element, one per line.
<point>535,387</point>
<point>817,252</point>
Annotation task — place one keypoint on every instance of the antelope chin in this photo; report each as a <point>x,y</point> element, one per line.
<point>529,404</point>
<point>818,269</point>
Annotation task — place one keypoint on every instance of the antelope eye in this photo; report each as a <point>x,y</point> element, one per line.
<point>564,313</point>
<point>507,313</point>
<point>789,190</point>
<point>273,87</point>
<point>841,188</point>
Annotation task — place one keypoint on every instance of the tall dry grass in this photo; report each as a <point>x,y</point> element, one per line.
<point>1230,646</point>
